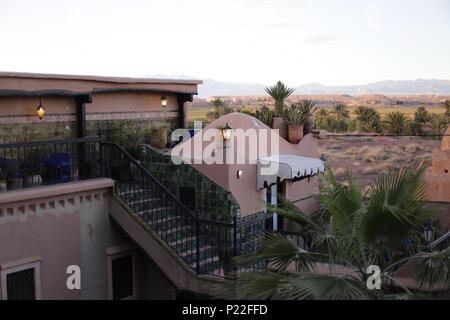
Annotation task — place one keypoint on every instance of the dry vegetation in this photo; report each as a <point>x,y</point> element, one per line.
<point>366,156</point>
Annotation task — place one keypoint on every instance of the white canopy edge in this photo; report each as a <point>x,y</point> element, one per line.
<point>286,166</point>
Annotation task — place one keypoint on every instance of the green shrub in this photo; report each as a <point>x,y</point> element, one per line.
<point>293,115</point>
<point>265,115</point>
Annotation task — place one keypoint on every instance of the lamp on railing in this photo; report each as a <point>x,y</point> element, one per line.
<point>164,100</point>
<point>40,109</point>
<point>429,233</point>
<point>226,134</point>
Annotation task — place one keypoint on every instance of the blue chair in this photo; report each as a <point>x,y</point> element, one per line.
<point>58,167</point>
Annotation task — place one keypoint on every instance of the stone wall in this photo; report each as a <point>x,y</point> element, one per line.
<point>136,128</point>
<point>20,123</point>
<point>22,132</point>
<point>211,200</point>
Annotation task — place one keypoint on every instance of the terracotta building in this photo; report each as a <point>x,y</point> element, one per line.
<point>75,106</point>
<point>83,218</point>
<point>61,217</point>
<point>438,180</point>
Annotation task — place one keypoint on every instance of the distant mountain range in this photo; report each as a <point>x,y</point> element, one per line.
<point>223,88</point>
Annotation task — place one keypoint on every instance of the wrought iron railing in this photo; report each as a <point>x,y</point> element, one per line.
<point>206,246</point>
<point>441,243</point>
<point>28,164</point>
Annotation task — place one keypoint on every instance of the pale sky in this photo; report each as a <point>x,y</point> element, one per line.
<point>333,42</point>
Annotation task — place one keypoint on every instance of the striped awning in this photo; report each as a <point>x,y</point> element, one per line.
<point>286,166</point>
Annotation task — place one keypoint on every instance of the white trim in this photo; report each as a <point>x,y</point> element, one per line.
<point>273,201</point>
<point>119,252</point>
<point>20,265</point>
<point>289,166</point>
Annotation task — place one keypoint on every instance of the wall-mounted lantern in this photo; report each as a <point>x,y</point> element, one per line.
<point>226,134</point>
<point>164,100</point>
<point>239,174</point>
<point>40,109</point>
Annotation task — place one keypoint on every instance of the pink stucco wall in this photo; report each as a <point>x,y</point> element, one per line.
<point>49,222</point>
<point>245,189</point>
<point>104,106</point>
<point>33,81</point>
<point>56,239</point>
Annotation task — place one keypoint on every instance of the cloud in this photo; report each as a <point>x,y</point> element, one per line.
<point>320,39</point>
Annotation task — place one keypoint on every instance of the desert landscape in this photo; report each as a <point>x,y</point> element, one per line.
<point>365,157</point>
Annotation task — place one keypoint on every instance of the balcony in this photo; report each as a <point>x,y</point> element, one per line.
<point>32,164</point>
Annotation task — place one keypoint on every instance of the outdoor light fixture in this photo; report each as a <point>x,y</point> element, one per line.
<point>40,109</point>
<point>164,100</point>
<point>226,134</point>
<point>239,174</point>
<point>429,233</point>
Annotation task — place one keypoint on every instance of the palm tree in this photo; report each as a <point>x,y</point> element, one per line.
<point>421,115</point>
<point>322,114</point>
<point>265,115</point>
<point>446,105</point>
<point>279,92</point>
<point>368,118</point>
<point>219,109</point>
<point>307,107</point>
<point>395,122</point>
<point>438,123</point>
<point>352,231</point>
<point>340,110</point>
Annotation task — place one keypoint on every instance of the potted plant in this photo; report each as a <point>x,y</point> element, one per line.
<point>279,93</point>
<point>159,137</point>
<point>31,168</point>
<point>295,119</point>
<point>307,107</point>
<point>265,115</point>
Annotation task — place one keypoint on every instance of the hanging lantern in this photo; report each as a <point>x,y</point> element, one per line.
<point>164,100</point>
<point>40,109</point>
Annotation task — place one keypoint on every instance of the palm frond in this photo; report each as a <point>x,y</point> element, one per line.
<point>434,269</point>
<point>323,287</point>
<point>394,209</point>
<point>407,296</point>
<point>255,285</point>
<point>279,252</point>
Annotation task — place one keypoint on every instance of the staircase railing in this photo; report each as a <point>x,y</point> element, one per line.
<point>206,246</point>
<point>441,243</point>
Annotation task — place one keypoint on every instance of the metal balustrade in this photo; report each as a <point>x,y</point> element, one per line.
<point>441,243</point>
<point>30,164</point>
<point>206,246</point>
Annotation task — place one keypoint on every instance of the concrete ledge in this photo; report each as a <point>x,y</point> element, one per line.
<point>53,190</point>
